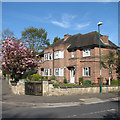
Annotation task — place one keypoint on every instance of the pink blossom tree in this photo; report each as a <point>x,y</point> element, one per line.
<point>17,58</point>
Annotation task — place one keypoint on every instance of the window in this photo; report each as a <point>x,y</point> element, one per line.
<point>72,53</point>
<point>59,71</point>
<point>47,56</point>
<point>86,71</point>
<point>58,54</point>
<point>40,60</point>
<point>47,72</point>
<point>56,72</point>
<point>86,52</point>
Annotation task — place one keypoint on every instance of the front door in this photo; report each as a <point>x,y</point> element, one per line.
<point>72,75</point>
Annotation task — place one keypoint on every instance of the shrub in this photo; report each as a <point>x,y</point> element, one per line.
<point>56,84</point>
<point>65,80</point>
<point>28,73</point>
<point>3,73</point>
<point>46,78</point>
<point>42,77</point>
<point>53,77</point>
<point>35,77</point>
<point>92,83</point>
<point>115,82</point>
<point>80,80</point>
<point>86,82</point>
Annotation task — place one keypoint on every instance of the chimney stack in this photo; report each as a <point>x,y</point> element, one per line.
<point>66,36</point>
<point>104,38</point>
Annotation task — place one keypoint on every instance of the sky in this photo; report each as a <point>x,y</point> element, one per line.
<point>60,18</point>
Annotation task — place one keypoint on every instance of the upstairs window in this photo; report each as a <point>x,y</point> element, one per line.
<point>86,71</point>
<point>58,54</point>
<point>47,56</point>
<point>86,52</point>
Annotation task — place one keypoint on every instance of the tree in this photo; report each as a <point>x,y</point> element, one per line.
<point>56,39</point>
<point>7,33</point>
<point>17,58</point>
<point>108,62</point>
<point>37,38</point>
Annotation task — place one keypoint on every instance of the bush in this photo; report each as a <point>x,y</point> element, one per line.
<point>86,82</point>
<point>56,84</point>
<point>115,82</point>
<point>28,74</point>
<point>35,77</point>
<point>92,83</point>
<point>3,73</point>
<point>46,78</point>
<point>53,77</point>
<point>65,80</point>
<point>80,80</point>
<point>42,77</point>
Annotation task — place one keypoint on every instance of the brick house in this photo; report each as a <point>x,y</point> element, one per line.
<point>76,56</point>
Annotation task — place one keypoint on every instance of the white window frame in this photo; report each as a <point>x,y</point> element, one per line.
<point>58,54</point>
<point>72,54</point>
<point>86,52</point>
<point>47,56</point>
<point>56,69</point>
<point>48,71</point>
<point>60,71</point>
<point>86,71</point>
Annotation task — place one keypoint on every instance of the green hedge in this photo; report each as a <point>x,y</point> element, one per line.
<point>86,82</point>
<point>35,77</point>
<point>115,82</point>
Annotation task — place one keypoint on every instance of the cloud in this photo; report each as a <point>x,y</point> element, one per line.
<point>61,24</point>
<point>79,26</point>
<point>65,21</point>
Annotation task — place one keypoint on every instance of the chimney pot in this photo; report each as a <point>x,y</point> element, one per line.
<point>104,38</point>
<point>66,36</point>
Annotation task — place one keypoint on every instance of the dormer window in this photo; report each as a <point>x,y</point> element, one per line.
<point>86,52</point>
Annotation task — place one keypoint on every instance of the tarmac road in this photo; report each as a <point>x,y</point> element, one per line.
<point>107,109</point>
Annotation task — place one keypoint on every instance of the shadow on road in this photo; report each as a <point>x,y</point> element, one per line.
<point>24,116</point>
<point>116,114</point>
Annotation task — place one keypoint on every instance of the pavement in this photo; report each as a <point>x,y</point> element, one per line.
<point>54,101</point>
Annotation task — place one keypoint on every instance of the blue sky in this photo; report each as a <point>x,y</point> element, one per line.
<point>61,18</point>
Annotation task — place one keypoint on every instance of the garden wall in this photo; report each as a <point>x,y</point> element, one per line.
<point>18,88</point>
<point>49,90</point>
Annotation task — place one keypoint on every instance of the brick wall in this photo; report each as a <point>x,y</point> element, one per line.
<point>78,62</point>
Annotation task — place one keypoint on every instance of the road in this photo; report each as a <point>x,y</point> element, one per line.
<point>107,109</point>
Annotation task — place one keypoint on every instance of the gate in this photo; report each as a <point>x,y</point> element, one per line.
<point>33,88</point>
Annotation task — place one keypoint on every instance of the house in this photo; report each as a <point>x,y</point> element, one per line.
<point>76,56</point>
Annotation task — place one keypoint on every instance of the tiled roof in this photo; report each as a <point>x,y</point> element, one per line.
<point>88,40</point>
<point>81,41</point>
